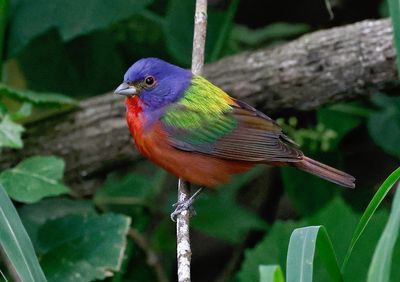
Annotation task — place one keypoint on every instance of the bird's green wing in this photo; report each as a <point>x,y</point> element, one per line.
<point>208,121</point>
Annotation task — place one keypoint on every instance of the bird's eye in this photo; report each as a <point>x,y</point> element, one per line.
<point>149,80</point>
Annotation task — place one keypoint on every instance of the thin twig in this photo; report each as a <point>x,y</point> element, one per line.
<point>183,250</point>
<point>153,259</point>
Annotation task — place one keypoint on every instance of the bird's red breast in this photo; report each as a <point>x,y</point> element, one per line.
<point>152,142</point>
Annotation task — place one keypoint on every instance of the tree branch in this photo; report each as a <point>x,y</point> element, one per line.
<point>319,68</point>
<point>183,249</point>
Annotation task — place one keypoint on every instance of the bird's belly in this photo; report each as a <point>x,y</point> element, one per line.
<point>196,168</point>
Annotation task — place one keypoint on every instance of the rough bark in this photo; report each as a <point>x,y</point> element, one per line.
<point>319,68</point>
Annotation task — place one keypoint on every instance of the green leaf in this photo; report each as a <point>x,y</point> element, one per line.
<point>16,244</point>
<point>339,221</point>
<point>270,273</point>
<point>304,244</point>
<point>35,97</point>
<point>129,194</point>
<point>394,10</point>
<point>83,247</point>
<point>34,179</point>
<point>357,269</point>
<point>24,111</point>
<point>10,133</point>
<point>271,250</point>
<point>384,125</point>
<point>307,192</point>
<point>225,30</point>
<point>379,269</point>
<point>71,18</point>
<point>275,31</point>
<point>341,123</point>
<point>369,212</point>
<point>214,212</point>
<point>179,33</point>
<point>33,216</point>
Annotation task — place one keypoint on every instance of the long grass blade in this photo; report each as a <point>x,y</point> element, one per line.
<point>16,244</point>
<point>304,244</point>
<point>369,212</point>
<point>381,263</point>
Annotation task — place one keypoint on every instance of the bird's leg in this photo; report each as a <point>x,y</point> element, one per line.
<point>185,205</point>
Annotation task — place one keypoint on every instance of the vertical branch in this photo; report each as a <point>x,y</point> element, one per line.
<point>199,37</point>
<point>184,253</point>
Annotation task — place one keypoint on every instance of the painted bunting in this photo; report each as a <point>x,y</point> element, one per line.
<point>197,132</point>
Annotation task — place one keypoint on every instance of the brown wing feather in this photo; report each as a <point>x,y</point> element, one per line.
<point>256,138</point>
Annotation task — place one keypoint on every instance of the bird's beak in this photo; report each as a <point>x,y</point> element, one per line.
<point>125,89</point>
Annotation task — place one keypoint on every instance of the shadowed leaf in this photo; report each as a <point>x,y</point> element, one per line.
<point>34,179</point>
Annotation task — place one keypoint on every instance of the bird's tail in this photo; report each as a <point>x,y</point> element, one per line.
<point>326,172</point>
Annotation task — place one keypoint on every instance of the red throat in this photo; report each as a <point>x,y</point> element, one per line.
<point>133,105</point>
<point>134,117</point>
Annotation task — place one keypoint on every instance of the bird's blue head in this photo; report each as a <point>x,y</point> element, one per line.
<point>155,81</point>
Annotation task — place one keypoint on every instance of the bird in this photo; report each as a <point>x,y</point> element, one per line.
<point>197,132</point>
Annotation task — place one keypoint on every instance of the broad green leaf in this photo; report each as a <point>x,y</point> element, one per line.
<point>304,244</point>
<point>379,269</point>
<point>130,194</point>
<point>270,273</point>
<point>80,248</point>
<point>34,179</point>
<point>16,244</point>
<point>394,10</point>
<point>309,193</point>
<point>71,18</point>
<point>86,68</point>
<point>10,133</point>
<point>271,250</point>
<point>214,212</point>
<point>35,97</point>
<point>33,216</point>
<point>384,124</point>
<point>369,212</point>
<point>339,221</point>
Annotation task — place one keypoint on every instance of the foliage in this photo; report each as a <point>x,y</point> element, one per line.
<point>10,133</point>
<point>34,179</point>
<point>384,124</point>
<point>301,225</point>
<point>27,20</point>
<point>307,242</point>
<point>16,243</point>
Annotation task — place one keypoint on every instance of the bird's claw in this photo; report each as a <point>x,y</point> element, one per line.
<point>185,205</point>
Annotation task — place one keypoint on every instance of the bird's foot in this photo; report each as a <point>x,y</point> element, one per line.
<point>185,205</point>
